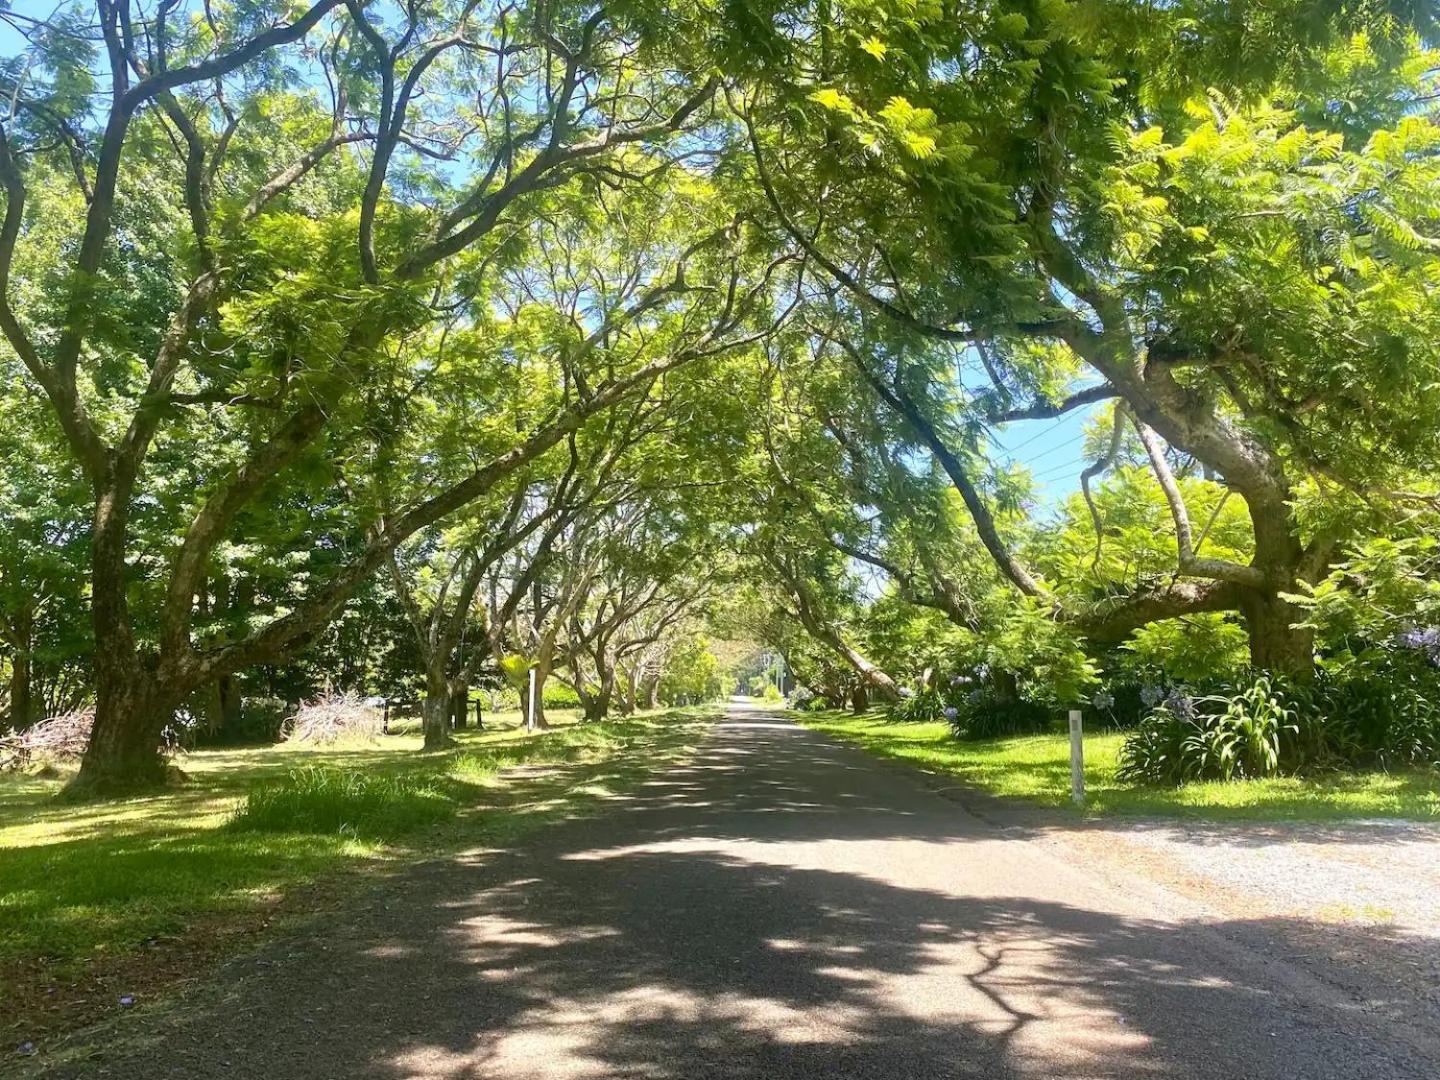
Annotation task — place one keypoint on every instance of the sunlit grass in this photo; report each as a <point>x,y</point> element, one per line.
<point>1036,769</point>
<point>79,882</point>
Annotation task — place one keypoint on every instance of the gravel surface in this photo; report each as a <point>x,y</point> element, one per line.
<point>785,907</point>
<point>1379,873</point>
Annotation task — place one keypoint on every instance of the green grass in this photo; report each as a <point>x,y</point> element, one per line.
<point>319,799</point>
<point>1035,770</point>
<point>82,885</point>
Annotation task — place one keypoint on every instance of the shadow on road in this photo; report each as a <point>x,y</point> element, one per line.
<point>779,908</point>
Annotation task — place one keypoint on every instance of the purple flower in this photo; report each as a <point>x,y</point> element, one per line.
<point>982,671</point>
<point>1151,696</point>
<point>1103,700</point>
<point>951,712</point>
<point>1421,639</point>
<point>975,696</point>
<point>1181,704</point>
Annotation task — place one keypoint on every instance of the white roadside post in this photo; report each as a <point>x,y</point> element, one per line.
<point>530,717</point>
<point>1077,759</point>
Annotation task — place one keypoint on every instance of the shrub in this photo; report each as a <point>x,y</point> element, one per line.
<point>1121,703</point>
<point>986,716</point>
<point>924,706</point>
<point>1155,752</point>
<point>1264,726</point>
<point>1386,713</point>
<point>325,800</point>
<point>975,708</point>
<point>260,720</point>
<point>1246,733</point>
<point>559,696</point>
<point>333,718</point>
<point>806,700</point>
<point>1241,735</point>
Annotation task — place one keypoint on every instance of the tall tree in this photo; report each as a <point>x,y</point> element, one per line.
<point>1191,230</point>
<point>309,255</point>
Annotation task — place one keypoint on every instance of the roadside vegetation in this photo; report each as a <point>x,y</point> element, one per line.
<point>1034,770</point>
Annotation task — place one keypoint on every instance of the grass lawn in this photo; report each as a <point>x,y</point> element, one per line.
<point>100,899</point>
<point>1036,769</point>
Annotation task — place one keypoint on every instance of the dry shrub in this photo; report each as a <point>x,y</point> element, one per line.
<point>57,739</point>
<point>333,718</point>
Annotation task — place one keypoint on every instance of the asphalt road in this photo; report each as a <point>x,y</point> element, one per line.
<point>780,907</point>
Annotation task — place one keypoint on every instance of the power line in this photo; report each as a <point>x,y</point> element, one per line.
<point>1039,434</point>
<point>1059,469</point>
<point>1057,447</point>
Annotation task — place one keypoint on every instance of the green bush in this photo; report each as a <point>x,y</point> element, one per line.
<point>261,719</point>
<point>559,696</point>
<point>1385,716</point>
<point>1246,733</point>
<point>325,800</point>
<point>924,706</point>
<point>986,716</point>
<point>1385,713</point>
<point>974,707</point>
<point>1121,702</point>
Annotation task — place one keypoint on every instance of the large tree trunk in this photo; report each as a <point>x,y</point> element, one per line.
<point>859,698</point>
<point>22,694</point>
<point>631,697</point>
<point>459,704</point>
<point>132,703</point>
<point>124,754</point>
<point>593,707</point>
<point>435,711</point>
<point>231,702</point>
<point>210,716</point>
<point>597,707</point>
<point>1275,644</point>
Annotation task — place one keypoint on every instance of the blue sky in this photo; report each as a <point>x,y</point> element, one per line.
<point>1053,449</point>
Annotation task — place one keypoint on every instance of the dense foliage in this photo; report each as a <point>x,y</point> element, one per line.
<point>469,355</point>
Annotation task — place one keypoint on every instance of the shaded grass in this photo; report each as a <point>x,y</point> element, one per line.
<point>1035,769</point>
<point>86,888</point>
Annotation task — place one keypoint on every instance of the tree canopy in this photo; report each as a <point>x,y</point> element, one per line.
<point>402,346</point>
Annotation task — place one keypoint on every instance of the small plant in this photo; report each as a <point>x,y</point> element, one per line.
<point>1250,731</point>
<point>1241,737</point>
<point>923,706</point>
<point>329,801</point>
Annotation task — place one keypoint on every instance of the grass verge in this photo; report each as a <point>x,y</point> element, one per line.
<point>100,901</point>
<point>1035,770</point>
